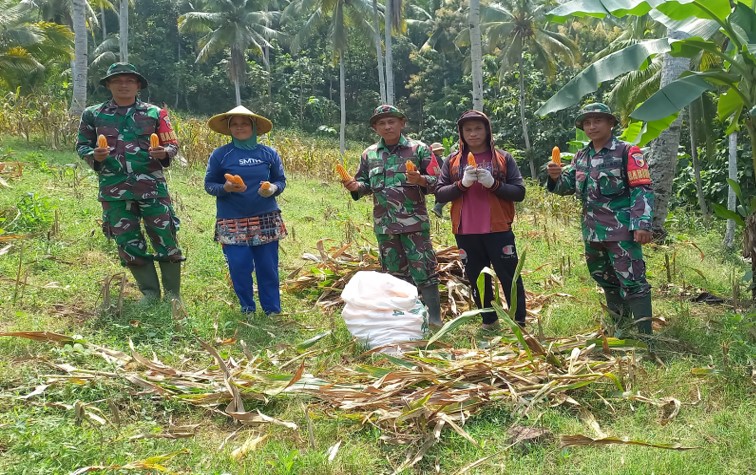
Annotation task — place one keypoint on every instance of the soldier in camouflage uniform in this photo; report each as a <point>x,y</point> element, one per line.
<point>132,183</point>
<point>400,217</point>
<point>611,179</point>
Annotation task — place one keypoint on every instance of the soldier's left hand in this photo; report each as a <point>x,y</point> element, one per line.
<point>642,236</point>
<point>485,178</point>
<point>415,178</point>
<point>158,153</point>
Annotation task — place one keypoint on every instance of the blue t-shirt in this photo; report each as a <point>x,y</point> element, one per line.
<point>253,166</point>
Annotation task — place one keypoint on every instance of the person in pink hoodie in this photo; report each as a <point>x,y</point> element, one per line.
<point>482,197</point>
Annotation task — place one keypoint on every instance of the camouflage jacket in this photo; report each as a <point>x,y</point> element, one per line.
<point>128,173</point>
<point>614,186</point>
<point>398,206</point>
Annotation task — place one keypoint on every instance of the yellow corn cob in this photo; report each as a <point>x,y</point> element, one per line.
<point>345,177</point>
<point>556,156</point>
<point>410,166</point>
<point>471,160</point>
<point>236,179</point>
<point>154,141</point>
<point>265,185</point>
<point>102,142</point>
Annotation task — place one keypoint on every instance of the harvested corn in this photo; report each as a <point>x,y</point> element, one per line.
<point>471,160</point>
<point>556,156</point>
<point>345,177</point>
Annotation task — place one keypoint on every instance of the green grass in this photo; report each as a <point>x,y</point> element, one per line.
<point>61,266</point>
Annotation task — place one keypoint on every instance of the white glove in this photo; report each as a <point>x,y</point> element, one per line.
<point>470,176</point>
<point>269,192</point>
<point>485,178</point>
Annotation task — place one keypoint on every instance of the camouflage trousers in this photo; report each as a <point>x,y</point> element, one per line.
<point>121,221</point>
<point>618,267</point>
<point>409,256</point>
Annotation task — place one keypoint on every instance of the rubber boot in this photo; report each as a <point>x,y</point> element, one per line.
<point>616,305</point>
<point>432,300</point>
<point>640,307</point>
<point>171,274</point>
<point>438,209</point>
<point>147,280</point>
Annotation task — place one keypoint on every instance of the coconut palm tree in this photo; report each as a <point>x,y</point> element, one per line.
<point>393,21</point>
<point>79,66</point>
<point>476,55</point>
<point>236,25</point>
<point>338,14</point>
<point>27,46</point>
<point>516,27</point>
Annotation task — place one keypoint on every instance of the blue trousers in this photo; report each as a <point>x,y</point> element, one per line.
<point>242,260</point>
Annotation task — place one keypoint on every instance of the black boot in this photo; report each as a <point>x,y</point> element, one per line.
<point>438,209</point>
<point>171,274</point>
<point>640,307</point>
<point>147,280</point>
<point>432,300</point>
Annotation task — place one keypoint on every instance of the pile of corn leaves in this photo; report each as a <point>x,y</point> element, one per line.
<point>411,397</point>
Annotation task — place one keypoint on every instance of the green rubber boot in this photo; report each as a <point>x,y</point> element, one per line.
<point>432,300</point>
<point>640,307</point>
<point>147,280</point>
<point>616,305</point>
<point>171,274</point>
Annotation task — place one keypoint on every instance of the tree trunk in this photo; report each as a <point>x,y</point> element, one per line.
<point>237,91</point>
<point>123,29</point>
<point>697,168</point>
<point>662,160</point>
<point>476,55</point>
<point>379,53</point>
<point>732,173</point>
<point>749,233</point>
<point>80,62</point>
<point>389,54</point>
<point>342,105</point>
<point>524,120</point>
<point>104,25</point>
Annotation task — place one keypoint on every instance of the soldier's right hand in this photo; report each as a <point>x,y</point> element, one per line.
<point>100,154</point>
<point>470,176</point>
<point>351,185</point>
<point>554,170</point>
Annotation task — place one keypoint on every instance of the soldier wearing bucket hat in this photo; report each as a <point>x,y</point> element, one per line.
<point>395,171</point>
<point>611,179</point>
<point>132,181</point>
<point>245,177</point>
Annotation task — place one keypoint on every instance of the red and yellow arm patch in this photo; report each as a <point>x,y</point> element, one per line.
<point>165,129</point>
<point>637,168</point>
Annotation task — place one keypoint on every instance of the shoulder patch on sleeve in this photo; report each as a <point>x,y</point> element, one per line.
<point>637,168</point>
<point>165,129</point>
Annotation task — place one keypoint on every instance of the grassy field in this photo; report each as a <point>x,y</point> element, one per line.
<point>53,279</point>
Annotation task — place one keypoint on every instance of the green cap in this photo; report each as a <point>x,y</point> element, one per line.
<point>595,108</point>
<point>117,69</point>
<point>385,110</point>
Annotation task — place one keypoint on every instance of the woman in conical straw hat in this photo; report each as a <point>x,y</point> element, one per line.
<point>245,176</point>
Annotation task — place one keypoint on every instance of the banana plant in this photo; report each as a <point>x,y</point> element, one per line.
<point>734,78</point>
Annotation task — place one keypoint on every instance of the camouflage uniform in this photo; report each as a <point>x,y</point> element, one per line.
<point>614,186</point>
<point>400,217</point>
<point>132,185</point>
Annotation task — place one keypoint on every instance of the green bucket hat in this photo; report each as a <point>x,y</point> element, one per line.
<point>595,108</point>
<point>117,69</point>
<point>385,110</point>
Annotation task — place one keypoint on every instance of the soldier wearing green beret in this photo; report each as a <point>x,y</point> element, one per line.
<point>612,181</point>
<point>133,191</point>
